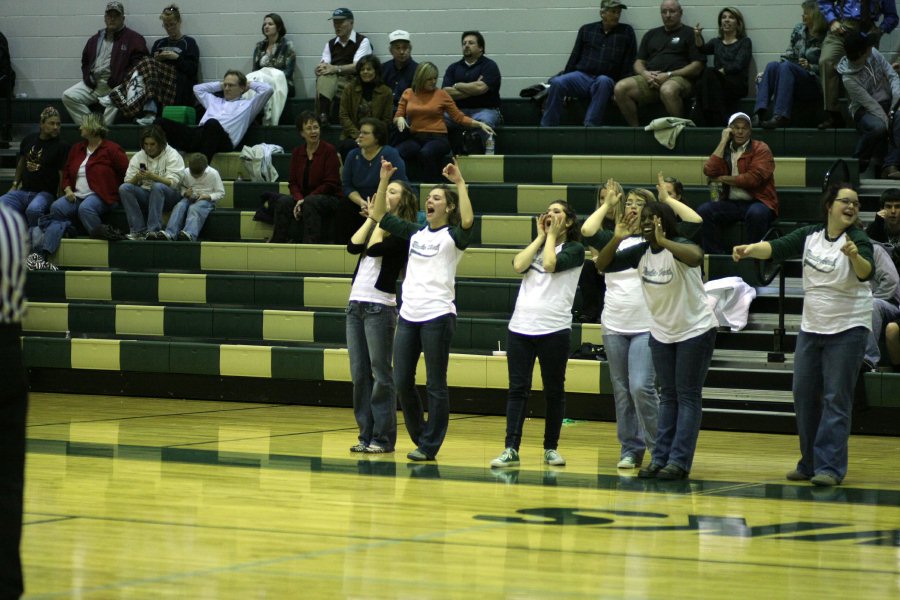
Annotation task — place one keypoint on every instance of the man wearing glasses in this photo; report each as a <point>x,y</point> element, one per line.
<point>745,168</point>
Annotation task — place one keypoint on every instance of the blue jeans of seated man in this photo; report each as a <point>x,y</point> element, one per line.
<point>757,218</point>
<point>370,338</point>
<point>552,352</point>
<point>136,200</point>
<point>32,205</point>
<point>883,312</point>
<point>578,85</point>
<point>785,82</point>
<point>189,216</point>
<point>433,339</point>
<point>62,216</point>
<point>491,116</point>
<point>875,141</point>
<point>825,370</point>
<point>680,370</point>
<point>633,380</point>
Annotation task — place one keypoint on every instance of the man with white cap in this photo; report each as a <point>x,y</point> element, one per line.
<point>604,53</point>
<point>745,168</point>
<point>398,73</point>
<point>105,61</point>
<point>338,64</point>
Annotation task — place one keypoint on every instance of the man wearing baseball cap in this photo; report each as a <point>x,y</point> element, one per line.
<point>604,53</point>
<point>106,59</point>
<point>338,63</point>
<point>745,168</point>
<point>398,72</point>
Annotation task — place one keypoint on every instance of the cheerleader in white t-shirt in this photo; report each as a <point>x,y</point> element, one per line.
<point>427,313</point>
<point>834,328</point>
<point>626,320</point>
<point>682,328</point>
<point>541,328</point>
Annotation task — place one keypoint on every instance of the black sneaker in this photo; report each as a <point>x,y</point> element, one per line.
<point>671,472</point>
<point>650,471</point>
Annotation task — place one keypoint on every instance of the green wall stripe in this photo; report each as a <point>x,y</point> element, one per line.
<point>298,363</point>
<point>144,357</point>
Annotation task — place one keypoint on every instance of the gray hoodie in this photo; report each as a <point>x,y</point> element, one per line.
<point>870,84</point>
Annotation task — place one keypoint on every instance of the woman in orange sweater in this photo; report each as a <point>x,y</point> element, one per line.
<point>421,110</point>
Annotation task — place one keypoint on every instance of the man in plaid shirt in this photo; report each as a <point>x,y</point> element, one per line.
<point>604,52</point>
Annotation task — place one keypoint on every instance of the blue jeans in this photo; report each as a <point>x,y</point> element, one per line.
<point>874,139</point>
<point>370,338</point>
<point>32,205</point>
<point>189,217</point>
<point>681,370</point>
<point>578,85</point>
<point>883,312</point>
<point>432,150</point>
<point>61,217</point>
<point>825,370</point>
<point>552,351</point>
<point>491,116</point>
<point>787,81</point>
<point>757,218</point>
<point>433,338</point>
<point>136,199</point>
<point>633,380</point>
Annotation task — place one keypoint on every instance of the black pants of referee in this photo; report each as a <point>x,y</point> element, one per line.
<point>13,408</point>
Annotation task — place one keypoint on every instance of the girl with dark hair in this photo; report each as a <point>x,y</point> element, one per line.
<point>682,327</point>
<point>541,327</point>
<point>428,314</point>
<point>275,50</point>
<point>719,89</point>
<point>366,97</point>
<point>626,321</point>
<point>372,317</point>
<point>837,317</point>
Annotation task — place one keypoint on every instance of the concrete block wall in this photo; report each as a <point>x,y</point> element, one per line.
<point>529,39</point>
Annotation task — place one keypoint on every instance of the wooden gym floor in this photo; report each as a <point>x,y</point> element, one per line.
<point>149,498</point>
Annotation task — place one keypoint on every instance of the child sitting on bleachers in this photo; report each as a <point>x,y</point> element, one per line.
<point>201,188</point>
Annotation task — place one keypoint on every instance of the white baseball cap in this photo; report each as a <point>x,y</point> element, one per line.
<point>739,115</point>
<point>398,36</point>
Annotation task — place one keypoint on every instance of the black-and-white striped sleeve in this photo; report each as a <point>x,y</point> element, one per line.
<point>13,250</point>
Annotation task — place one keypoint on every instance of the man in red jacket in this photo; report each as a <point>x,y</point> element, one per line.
<point>106,59</point>
<point>744,170</point>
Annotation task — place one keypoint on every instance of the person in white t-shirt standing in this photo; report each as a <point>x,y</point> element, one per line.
<point>541,328</point>
<point>682,328</point>
<point>834,328</point>
<point>428,314</point>
<point>626,321</point>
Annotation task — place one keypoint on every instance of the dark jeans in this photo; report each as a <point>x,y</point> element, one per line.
<point>785,82</point>
<point>207,139</point>
<point>680,372</point>
<point>875,142</point>
<point>318,224</point>
<point>717,97</point>
<point>13,409</point>
<point>552,351</point>
<point>593,292</point>
<point>430,150</point>
<point>757,218</point>
<point>433,338</point>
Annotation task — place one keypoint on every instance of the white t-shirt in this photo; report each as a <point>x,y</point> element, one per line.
<point>363,288</point>
<point>544,304</point>
<point>624,308</point>
<point>82,189</point>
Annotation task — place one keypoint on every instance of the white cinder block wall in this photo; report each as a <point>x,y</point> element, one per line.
<point>529,39</point>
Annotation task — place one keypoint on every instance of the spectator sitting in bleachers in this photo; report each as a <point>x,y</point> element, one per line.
<point>166,77</point>
<point>667,63</point>
<point>745,168</point>
<point>719,89</point>
<point>846,18</point>
<point>274,59</point>
<point>315,184</point>
<point>107,57</point>
<point>338,64</point>
<point>422,110</point>
<point>885,301</point>
<point>886,226</point>
<point>604,53</point>
<point>368,96</point>
<point>361,175</point>
<point>201,188</point>
<point>227,117</point>
<point>884,231</point>
<point>473,83</point>
<point>874,92</point>
<point>796,75</point>
<point>38,172</point>
<point>151,183</point>
<point>91,178</point>
<point>399,71</point>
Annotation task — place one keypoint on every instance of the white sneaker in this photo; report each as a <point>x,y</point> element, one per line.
<point>105,101</point>
<point>553,458</point>
<point>136,236</point>
<point>509,458</point>
<point>146,120</point>
<point>628,462</point>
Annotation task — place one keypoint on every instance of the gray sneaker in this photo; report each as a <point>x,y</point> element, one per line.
<point>136,236</point>
<point>184,236</point>
<point>359,447</point>
<point>553,458</point>
<point>509,458</point>
<point>628,462</point>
